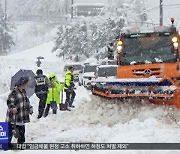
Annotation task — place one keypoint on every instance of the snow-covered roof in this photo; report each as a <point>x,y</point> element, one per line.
<point>93,64</point>
<point>89,74</point>
<point>107,66</point>
<point>89,4</point>
<point>150,29</point>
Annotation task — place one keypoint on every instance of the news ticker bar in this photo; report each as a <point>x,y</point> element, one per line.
<point>95,146</point>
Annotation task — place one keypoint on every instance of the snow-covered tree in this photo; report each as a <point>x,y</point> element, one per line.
<point>72,39</point>
<point>6,40</point>
<point>131,10</point>
<point>87,36</point>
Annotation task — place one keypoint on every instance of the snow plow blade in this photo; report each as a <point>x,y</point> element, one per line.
<point>156,88</point>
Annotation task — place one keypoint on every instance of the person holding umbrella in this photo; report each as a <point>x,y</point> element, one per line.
<point>38,62</point>
<point>18,111</point>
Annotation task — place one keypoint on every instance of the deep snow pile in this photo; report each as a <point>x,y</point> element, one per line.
<point>94,119</point>
<point>99,120</point>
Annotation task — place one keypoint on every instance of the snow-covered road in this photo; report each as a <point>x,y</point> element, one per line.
<point>94,119</point>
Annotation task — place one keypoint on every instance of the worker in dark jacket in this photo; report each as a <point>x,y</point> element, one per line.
<point>41,89</point>
<point>69,88</point>
<point>19,109</point>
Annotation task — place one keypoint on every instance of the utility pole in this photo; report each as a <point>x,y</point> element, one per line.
<point>66,7</point>
<point>5,14</point>
<point>72,3</point>
<point>161,13</point>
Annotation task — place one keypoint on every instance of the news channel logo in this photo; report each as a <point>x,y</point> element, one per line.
<point>3,135</point>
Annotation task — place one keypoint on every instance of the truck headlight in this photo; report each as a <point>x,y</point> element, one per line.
<point>175,45</point>
<point>174,39</point>
<point>119,48</point>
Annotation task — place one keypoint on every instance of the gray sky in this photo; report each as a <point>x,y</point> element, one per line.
<point>169,11</point>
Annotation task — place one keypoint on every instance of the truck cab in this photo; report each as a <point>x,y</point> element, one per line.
<point>141,55</point>
<point>151,54</point>
<point>148,66</point>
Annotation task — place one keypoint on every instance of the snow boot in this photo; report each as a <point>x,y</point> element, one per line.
<point>62,107</point>
<point>47,110</point>
<point>39,116</point>
<point>54,111</point>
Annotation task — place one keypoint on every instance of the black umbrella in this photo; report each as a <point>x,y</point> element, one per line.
<point>40,57</point>
<point>39,61</point>
<point>31,83</point>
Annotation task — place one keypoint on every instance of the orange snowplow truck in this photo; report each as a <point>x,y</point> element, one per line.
<point>148,67</point>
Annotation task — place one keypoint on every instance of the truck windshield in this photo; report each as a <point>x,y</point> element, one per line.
<point>107,71</point>
<point>90,68</point>
<point>152,49</point>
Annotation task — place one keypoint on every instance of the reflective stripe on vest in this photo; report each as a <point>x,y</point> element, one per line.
<point>40,81</point>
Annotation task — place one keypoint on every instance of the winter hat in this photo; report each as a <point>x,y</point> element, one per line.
<point>22,81</point>
<point>39,71</point>
<point>70,68</point>
<point>52,76</point>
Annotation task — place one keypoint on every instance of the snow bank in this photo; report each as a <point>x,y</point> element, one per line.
<point>27,60</point>
<point>99,120</point>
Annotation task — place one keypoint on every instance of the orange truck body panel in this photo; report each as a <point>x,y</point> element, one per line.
<point>162,70</point>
